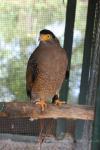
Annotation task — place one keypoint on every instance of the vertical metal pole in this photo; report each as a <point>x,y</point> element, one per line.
<point>87,51</point>
<point>96,69</point>
<point>68,40</point>
<point>84,97</point>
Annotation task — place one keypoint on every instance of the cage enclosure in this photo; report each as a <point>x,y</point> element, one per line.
<point>75,125</point>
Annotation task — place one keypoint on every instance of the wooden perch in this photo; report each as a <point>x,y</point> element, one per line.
<point>22,109</point>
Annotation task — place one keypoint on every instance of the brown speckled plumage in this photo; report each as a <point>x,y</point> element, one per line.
<point>46,70</point>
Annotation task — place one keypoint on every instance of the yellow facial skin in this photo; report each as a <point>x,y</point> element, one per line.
<point>45,37</point>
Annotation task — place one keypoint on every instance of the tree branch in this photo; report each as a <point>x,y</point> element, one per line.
<point>22,109</point>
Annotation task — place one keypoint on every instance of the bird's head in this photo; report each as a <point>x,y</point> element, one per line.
<point>46,35</point>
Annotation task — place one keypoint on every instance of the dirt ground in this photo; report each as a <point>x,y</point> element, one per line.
<point>17,142</point>
<point>11,142</point>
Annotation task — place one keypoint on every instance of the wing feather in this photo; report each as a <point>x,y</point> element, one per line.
<point>31,73</point>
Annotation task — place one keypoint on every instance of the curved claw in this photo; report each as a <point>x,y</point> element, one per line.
<point>42,104</point>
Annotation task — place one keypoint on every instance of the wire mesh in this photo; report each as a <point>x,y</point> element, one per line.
<point>24,126</point>
<point>77,51</point>
<point>20,23</point>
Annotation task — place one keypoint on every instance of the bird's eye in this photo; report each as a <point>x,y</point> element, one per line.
<point>49,36</point>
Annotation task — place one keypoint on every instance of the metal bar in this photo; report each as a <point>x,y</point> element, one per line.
<point>68,40</point>
<point>87,51</point>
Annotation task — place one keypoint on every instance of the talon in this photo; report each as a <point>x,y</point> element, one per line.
<point>42,104</point>
<point>59,102</point>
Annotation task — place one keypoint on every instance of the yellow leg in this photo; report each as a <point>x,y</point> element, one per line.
<point>59,102</point>
<point>42,104</point>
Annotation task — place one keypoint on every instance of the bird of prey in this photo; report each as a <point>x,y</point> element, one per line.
<point>46,69</point>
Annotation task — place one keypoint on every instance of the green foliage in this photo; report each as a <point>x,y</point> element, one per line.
<point>16,18</point>
<point>16,78</point>
<point>81,15</point>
